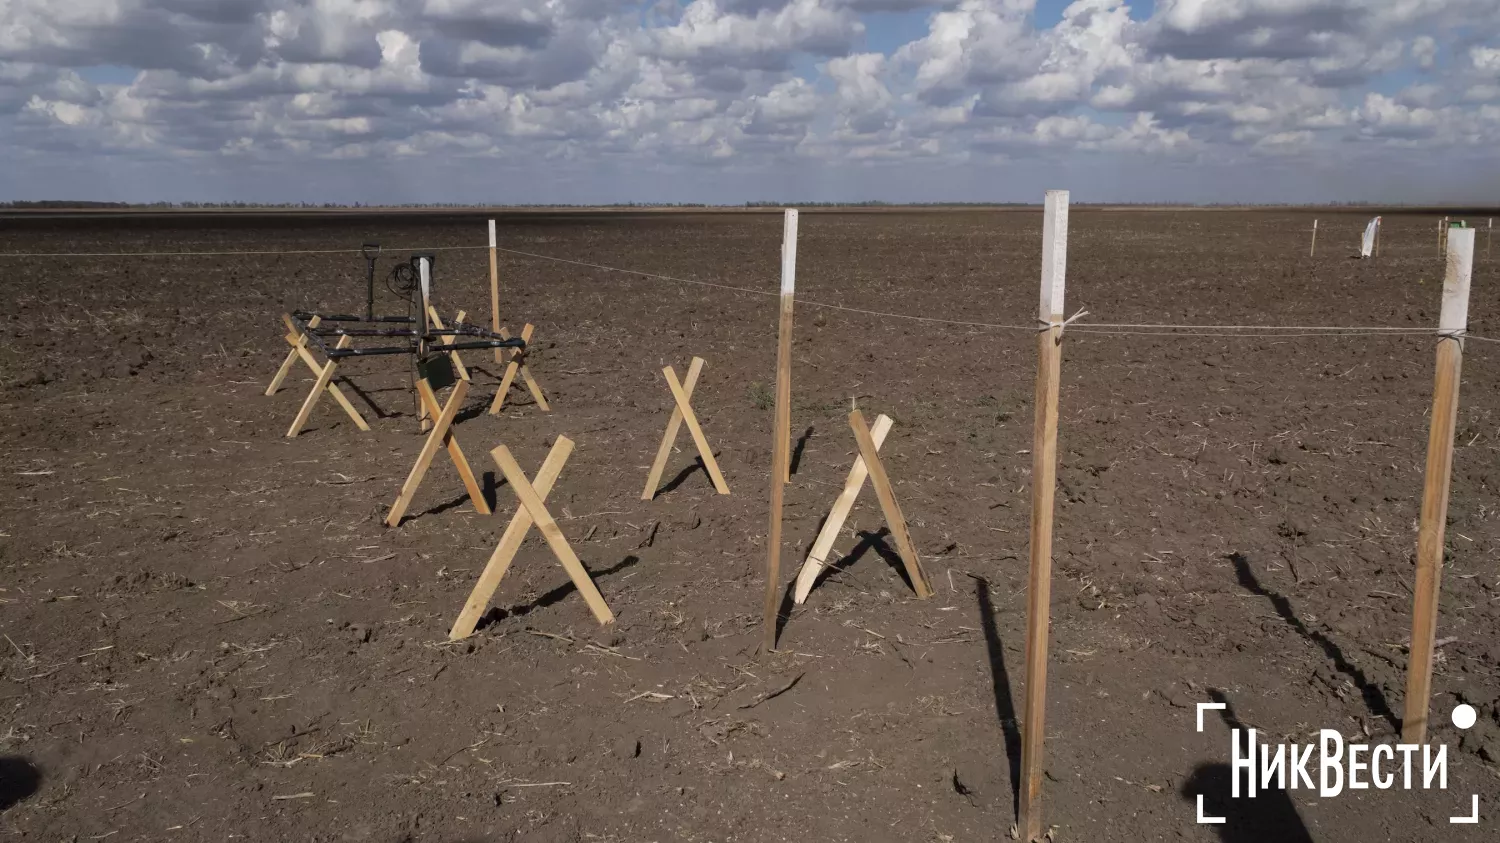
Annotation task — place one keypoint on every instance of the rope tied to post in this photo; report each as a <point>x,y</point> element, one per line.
<point>1048,324</point>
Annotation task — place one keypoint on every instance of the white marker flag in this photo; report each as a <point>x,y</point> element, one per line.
<point>1367,245</point>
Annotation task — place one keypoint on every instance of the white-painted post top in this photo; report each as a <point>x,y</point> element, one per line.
<point>424,269</point>
<point>1455,313</point>
<point>492,234</point>
<point>789,253</point>
<point>1054,254</point>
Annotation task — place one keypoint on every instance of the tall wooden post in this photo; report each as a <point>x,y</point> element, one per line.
<point>494,290</point>
<point>1489,238</point>
<point>781,447</point>
<point>1313,252</point>
<point>1043,485</point>
<point>1452,322</point>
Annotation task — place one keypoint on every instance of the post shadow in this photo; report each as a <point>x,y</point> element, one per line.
<point>682,476</point>
<point>869,541</point>
<point>796,459</point>
<point>1005,708</point>
<point>19,779</point>
<point>1374,699</point>
<point>877,542</point>
<point>784,611</point>
<point>1271,815</point>
<point>380,412</point>
<point>556,595</point>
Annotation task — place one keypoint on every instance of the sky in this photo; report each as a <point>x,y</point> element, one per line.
<point>729,101</point>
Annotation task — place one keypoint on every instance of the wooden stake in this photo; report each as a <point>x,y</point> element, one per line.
<point>532,502</point>
<point>322,384</point>
<point>298,340</point>
<point>887,495</point>
<point>1489,238</point>
<point>494,290</point>
<point>784,338</point>
<point>1043,486</point>
<point>1452,322</point>
<point>517,364</point>
<point>510,542</point>
<point>781,437</point>
<point>1378,226</point>
<point>1313,252</point>
<point>817,558</point>
<point>435,437</point>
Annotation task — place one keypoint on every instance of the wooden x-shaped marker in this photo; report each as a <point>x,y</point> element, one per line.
<point>531,504</point>
<point>517,358</point>
<point>324,383</point>
<point>298,341</point>
<point>682,394</point>
<point>817,559</point>
<point>425,416</point>
<point>510,542</point>
<point>869,455</point>
<point>437,322</point>
<point>439,435</point>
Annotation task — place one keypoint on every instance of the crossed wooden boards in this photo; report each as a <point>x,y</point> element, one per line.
<point>682,413</point>
<point>517,365</point>
<point>866,465</point>
<point>532,510</point>
<point>322,376</point>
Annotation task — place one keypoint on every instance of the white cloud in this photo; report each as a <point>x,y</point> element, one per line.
<point>707,34</point>
<point>608,89</point>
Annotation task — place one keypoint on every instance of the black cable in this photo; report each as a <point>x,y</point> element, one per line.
<point>402,282</point>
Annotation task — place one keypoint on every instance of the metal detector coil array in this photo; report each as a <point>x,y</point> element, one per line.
<point>430,344</point>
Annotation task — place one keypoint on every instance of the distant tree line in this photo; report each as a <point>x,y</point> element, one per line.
<point>71,204</point>
<point>74,204</point>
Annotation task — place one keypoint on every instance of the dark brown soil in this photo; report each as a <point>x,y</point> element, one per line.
<point>211,635</point>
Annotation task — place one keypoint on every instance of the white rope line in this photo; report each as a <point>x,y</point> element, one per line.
<point>1367,328</point>
<point>776,295</point>
<point>932,319</point>
<point>228,254</point>
<point>1102,328</point>
<point>1114,328</point>
<point>1260,336</point>
<point>640,273</point>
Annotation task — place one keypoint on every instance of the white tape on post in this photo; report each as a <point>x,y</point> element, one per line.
<point>789,253</point>
<point>424,271</point>
<point>1455,313</point>
<point>492,234</point>
<point>1054,254</point>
